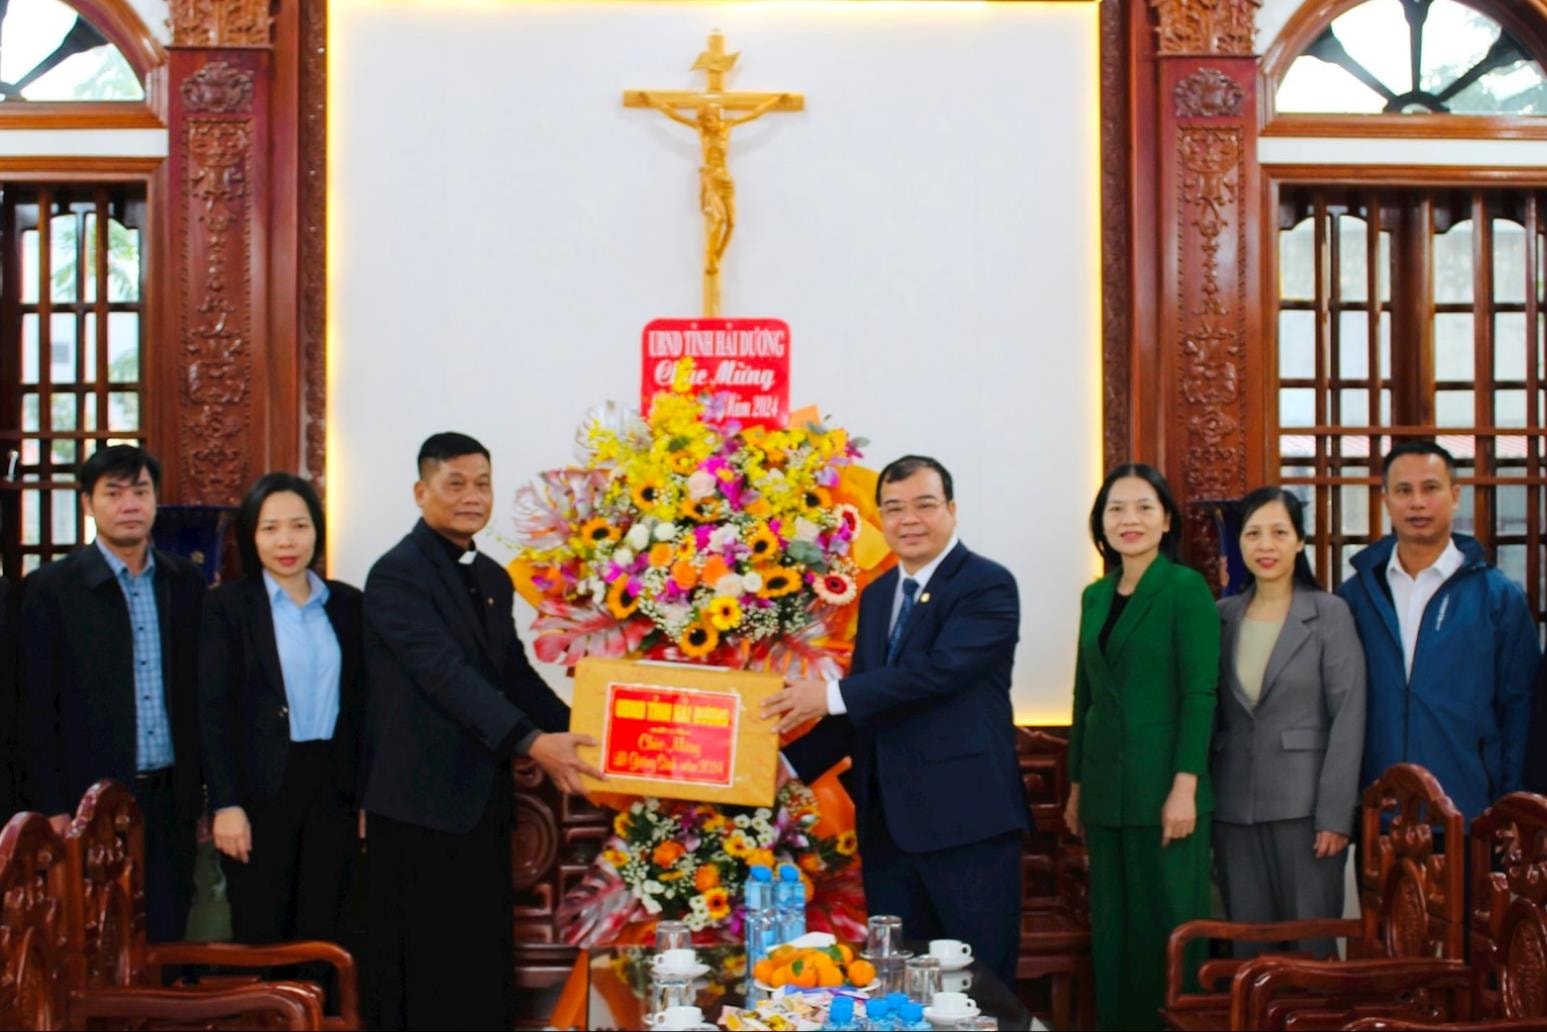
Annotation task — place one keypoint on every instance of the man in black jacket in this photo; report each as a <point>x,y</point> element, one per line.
<point>108,647</point>
<point>452,698</point>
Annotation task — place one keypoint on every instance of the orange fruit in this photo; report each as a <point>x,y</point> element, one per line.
<point>763,971</point>
<point>781,953</point>
<point>862,972</point>
<point>806,978</point>
<point>846,952</point>
<point>829,978</point>
<point>780,978</point>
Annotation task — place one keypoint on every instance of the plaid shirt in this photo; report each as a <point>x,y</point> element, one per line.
<point>153,729</point>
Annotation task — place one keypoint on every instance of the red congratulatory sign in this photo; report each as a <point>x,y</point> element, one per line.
<point>747,359</point>
<point>671,734</point>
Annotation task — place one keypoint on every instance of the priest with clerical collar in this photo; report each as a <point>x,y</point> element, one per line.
<point>452,699</point>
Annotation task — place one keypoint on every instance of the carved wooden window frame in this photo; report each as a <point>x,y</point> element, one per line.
<point>1525,19</point>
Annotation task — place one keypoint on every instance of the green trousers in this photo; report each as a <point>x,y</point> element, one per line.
<point>1138,893</point>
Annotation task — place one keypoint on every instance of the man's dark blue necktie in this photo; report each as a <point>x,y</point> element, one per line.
<point>910,588</point>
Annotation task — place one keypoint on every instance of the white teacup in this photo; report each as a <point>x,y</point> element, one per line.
<point>674,961</point>
<point>953,1005</point>
<point>950,950</point>
<point>676,1018</point>
<point>955,981</point>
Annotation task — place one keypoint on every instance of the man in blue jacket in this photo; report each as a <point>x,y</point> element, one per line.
<point>1450,643</point>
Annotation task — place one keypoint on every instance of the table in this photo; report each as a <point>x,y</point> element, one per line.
<point>618,987</point>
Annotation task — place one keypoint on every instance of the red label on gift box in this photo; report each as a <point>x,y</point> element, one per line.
<point>746,360</point>
<point>670,734</point>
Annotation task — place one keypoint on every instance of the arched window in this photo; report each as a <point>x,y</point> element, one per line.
<point>1465,63</point>
<point>51,52</point>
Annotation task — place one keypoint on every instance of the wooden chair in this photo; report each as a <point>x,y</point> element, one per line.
<point>1055,915</point>
<point>39,987</point>
<point>1411,905</point>
<point>106,847</point>
<point>1508,938</point>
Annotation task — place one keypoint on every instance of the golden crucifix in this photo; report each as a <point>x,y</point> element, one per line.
<point>716,189</point>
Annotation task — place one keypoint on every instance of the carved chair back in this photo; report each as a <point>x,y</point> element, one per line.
<point>106,849</point>
<point>1509,908</point>
<point>33,894</point>
<point>1411,886</point>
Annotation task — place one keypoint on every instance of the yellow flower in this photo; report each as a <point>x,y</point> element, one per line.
<point>615,857</point>
<point>620,824</point>
<point>817,498</point>
<point>779,581</point>
<point>737,844</point>
<point>717,902</point>
<point>705,510</point>
<point>667,853</point>
<point>682,463</point>
<point>621,602</point>
<point>647,494</point>
<point>811,862</point>
<point>698,640</point>
<point>764,544</point>
<point>846,843</point>
<point>671,876</point>
<point>597,530</point>
<point>724,613</point>
<point>716,823</point>
<point>760,858</point>
<point>682,376</point>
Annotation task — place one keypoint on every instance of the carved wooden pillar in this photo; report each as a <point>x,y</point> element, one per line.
<point>214,403</point>
<point>1209,294</point>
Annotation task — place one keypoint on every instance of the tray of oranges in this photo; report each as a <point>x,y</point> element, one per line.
<point>814,967</point>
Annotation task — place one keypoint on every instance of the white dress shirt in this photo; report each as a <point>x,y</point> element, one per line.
<point>1411,595</point>
<point>835,703</point>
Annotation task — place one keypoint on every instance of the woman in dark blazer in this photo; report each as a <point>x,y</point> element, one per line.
<point>1144,695</point>
<point>281,703</point>
<point>1290,734</point>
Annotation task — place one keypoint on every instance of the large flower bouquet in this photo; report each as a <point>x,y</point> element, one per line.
<point>689,537</point>
<point>686,536</point>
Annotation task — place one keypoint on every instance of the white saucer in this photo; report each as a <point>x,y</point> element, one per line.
<point>955,964</point>
<point>698,970</point>
<point>934,1017</point>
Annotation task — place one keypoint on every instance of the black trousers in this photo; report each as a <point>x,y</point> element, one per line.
<point>169,851</point>
<point>440,927</point>
<point>970,892</point>
<point>293,884</point>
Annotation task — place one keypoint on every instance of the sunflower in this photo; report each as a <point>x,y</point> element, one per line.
<point>764,543</point>
<point>597,531</point>
<point>647,494</point>
<point>620,824</point>
<point>718,903</point>
<point>836,589</point>
<point>698,640</point>
<point>621,602</point>
<point>779,581</point>
<point>817,498</point>
<point>706,877</point>
<point>846,843</point>
<point>724,613</point>
<point>682,462</point>
<point>705,510</point>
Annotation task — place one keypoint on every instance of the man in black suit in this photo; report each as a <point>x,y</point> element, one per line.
<point>452,698</point>
<point>925,714</point>
<point>109,670</point>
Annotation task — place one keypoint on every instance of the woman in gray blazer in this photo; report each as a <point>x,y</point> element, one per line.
<point>1290,733</point>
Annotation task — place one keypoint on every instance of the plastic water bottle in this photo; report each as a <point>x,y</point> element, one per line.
<point>762,922</point>
<point>840,1015</point>
<point>790,901</point>
<point>910,1016</point>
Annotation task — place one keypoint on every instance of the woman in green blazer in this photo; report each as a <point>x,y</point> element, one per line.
<point>1144,693</point>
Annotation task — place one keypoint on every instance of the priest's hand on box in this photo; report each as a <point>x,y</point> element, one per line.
<point>555,754</point>
<point>801,699</point>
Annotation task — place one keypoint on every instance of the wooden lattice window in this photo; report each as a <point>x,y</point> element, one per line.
<point>1413,313</point>
<point>72,333</point>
